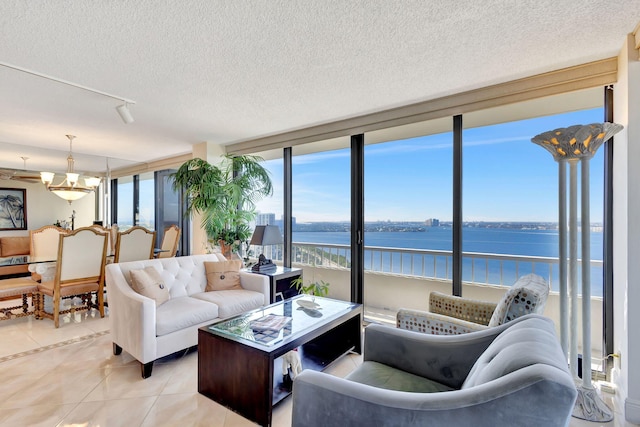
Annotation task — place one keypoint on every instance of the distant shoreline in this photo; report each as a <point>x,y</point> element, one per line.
<point>511,242</point>
<point>415,226</point>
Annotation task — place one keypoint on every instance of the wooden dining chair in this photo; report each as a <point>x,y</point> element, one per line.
<point>44,241</point>
<point>170,240</point>
<point>43,246</point>
<point>79,272</point>
<point>135,244</point>
<point>113,237</point>
<point>112,234</point>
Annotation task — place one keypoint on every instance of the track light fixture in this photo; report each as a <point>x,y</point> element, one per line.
<point>124,112</point>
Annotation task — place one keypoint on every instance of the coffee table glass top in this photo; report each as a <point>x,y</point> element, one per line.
<point>283,320</point>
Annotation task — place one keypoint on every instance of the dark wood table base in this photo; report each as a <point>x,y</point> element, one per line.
<point>249,380</point>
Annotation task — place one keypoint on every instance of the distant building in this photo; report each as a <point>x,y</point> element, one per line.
<point>432,222</point>
<point>266,219</point>
<point>270,219</point>
<point>281,222</point>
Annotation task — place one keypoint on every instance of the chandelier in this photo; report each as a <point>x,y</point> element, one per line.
<point>69,189</point>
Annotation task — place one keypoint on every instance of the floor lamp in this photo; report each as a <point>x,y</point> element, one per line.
<point>577,145</point>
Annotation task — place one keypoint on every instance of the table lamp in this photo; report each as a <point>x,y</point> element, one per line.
<point>265,235</point>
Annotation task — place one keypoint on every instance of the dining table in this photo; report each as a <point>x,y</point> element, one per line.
<point>37,264</point>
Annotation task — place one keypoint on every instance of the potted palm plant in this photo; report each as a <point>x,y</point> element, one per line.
<point>225,195</point>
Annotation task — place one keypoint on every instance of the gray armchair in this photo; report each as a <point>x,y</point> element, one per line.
<point>511,375</point>
<point>450,315</point>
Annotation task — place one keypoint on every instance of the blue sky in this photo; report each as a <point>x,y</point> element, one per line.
<point>505,177</point>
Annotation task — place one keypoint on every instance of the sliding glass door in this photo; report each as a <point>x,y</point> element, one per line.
<point>408,214</point>
<point>321,202</point>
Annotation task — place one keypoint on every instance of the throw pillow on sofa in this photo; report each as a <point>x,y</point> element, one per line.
<point>148,282</point>
<point>223,275</point>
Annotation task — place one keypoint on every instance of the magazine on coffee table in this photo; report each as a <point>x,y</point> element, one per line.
<point>270,322</point>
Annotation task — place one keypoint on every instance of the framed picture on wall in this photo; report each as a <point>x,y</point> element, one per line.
<point>13,209</point>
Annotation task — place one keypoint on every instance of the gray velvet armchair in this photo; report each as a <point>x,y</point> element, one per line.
<point>510,375</point>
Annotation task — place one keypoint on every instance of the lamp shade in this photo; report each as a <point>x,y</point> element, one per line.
<point>92,181</point>
<point>69,193</point>
<point>47,177</point>
<point>72,178</point>
<point>265,235</point>
<point>577,141</point>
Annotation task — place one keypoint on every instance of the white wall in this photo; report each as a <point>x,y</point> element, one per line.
<point>626,229</point>
<point>44,207</point>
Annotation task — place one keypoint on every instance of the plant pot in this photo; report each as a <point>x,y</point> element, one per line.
<point>226,249</point>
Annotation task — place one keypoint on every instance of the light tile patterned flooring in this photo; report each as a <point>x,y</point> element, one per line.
<point>70,377</point>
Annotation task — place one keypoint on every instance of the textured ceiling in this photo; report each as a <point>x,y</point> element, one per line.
<point>227,71</point>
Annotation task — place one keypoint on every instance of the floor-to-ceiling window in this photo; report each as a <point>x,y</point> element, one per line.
<point>508,200</point>
<point>321,202</point>
<point>146,200</point>
<point>511,198</point>
<point>510,203</point>
<point>124,214</point>
<point>408,214</point>
<point>269,211</point>
<point>168,210</point>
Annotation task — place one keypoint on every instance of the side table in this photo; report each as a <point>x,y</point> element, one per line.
<point>280,282</point>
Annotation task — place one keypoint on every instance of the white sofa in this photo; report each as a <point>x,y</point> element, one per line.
<point>149,333</point>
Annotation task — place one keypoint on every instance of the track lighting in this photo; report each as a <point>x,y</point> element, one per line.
<point>124,112</point>
<point>123,109</point>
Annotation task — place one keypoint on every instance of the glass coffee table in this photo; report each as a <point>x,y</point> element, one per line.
<point>240,358</point>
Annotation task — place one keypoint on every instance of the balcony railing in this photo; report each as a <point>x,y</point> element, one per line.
<point>478,268</point>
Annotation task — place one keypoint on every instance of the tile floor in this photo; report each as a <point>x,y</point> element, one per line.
<point>70,377</point>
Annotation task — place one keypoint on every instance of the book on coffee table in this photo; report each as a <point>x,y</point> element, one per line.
<point>270,322</point>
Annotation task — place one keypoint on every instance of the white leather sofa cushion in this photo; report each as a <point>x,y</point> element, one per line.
<point>183,312</point>
<point>233,301</point>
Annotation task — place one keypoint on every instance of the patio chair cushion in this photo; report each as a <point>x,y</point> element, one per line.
<point>527,295</point>
<point>148,282</point>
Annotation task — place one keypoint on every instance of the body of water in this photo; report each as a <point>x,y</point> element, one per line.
<point>539,243</point>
